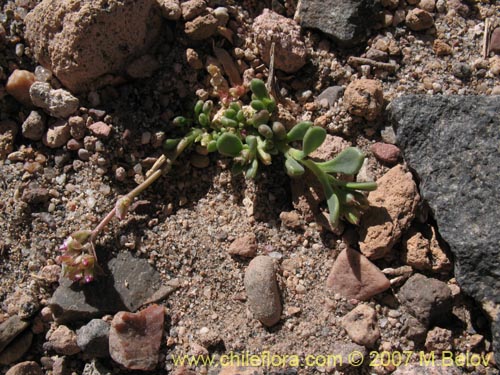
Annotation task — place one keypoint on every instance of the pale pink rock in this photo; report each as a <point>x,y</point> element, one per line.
<point>245,246</point>
<point>62,340</point>
<point>361,325</point>
<point>100,129</point>
<point>386,152</point>
<point>135,338</point>
<point>81,41</point>
<point>392,208</point>
<point>354,276</point>
<point>364,98</point>
<point>57,134</point>
<point>290,50</point>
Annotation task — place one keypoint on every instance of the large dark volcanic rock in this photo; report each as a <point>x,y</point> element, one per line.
<point>453,144</point>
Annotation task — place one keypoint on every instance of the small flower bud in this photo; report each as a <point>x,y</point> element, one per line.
<point>122,206</point>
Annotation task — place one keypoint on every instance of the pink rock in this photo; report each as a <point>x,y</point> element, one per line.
<point>386,152</point>
<point>135,339</point>
<point>495,41</point>
<point>100,129</point>
<point>290,50</point>
<point>57,134</point>
<point>62,341</point>
<point>245,246</point>
<point>354,276</point>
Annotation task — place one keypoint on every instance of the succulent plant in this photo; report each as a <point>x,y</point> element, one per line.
<point>248,135</point>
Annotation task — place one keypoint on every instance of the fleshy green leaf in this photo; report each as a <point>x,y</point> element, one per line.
<point>171,144</point>
<point>365,186</point>
<point>313,138</point>
<point>298,131</point>
<point>333,204</point>
<point>258,87</point>
<point>294,168</point>
<point>257,105</point>
<point>251,171</point>
<point>347,162</point>
<point>229,144</point>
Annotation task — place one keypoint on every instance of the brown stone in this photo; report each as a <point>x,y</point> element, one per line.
<point>354,276</point>
<point>361,325</point>
<point>201,27</point>
<point>419,19</point>
<point>135,339</point>
<point>441,48</point>
<point>495,41</point>
<point>386,152</point>
<point>364,98</point>
<point>25,368</point>
<point>8,131</point>
<point>245,246</point>
<point>18,85</point>
<point>392,208</point>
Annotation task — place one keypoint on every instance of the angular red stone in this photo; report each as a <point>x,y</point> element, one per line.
<point>135,339</point>
<point>354,276</point>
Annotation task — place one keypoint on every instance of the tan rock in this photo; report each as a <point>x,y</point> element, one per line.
<point>8,131</point>
<point>192,8</point>
<point>62,340</point>
<point>170,9</point>
<point>290,50</point>
<point>18,85</point>
<point>25,368</point>
<point>423,252</point>
<point>80,41</point>
<point>201,27</point>
<point>354,276</point>
<point>428,5</point>
<point>441,48</point>
<point>57,134</point>
<point>364,98</point>
<point>361,325</point>
<point>290,219</point>
<point>392,208</point>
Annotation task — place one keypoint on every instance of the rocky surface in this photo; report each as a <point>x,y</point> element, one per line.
<point>185,224</point>
<point>71,39</point>
<point>452,144</point>
<point>93,338</point>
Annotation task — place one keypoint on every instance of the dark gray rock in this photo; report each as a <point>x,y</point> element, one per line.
<point>128,283</point>
<point>453,145</point>
<point>413,330</point>
<point>426,299</point>
<point>345,21</point>
<point>17,348</point>
<point>11,328</point>
<point>93,338</point>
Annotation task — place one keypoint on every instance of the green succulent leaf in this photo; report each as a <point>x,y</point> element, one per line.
<point>364,186</point>
<point>240,116</point>
<point>203,119</point>
<point>279,130</point>
<point>261,117</point>
<point>171,144</point>
<point>258,87</point>
<point>258,105</point>
<point>228,122</point>
<point>212,146</point>
<point>265,131</point>
<point>235,106</point>
<point>251,171</point>
<point>298,131</point>
<point>229,144</point>
<point>207,107</point>
<point>313,138</point>
<point>198,107</point>
<point>270,104</point>
<point>230,113</point>
<point>332,201</point>
<point>347,162</point>
<point>180,121</point>
<point>294,168</point>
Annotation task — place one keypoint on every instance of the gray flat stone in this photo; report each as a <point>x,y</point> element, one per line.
<point>129,282</point>
<point>345,21</point>
<point>452,142</point>
<point>11,328</point>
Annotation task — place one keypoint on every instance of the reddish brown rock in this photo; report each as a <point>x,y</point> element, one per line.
<point>386,152</point>
<point>419,19</point>
<point>135,339</point>
<point>201,27</point>
<point>100,129</point>
<point>290,51</point>
<point>441,48</point>
<point>18,85</point>
<point>392,208</point>
<point>8,131</point>
<point>81,41</point>
<point>495,41</point>
<point>364,98</point>
<point>423,252</point>
<point>58,134</point>
<point>245,246</point>
<point>354,276</point>
<point>192,8</point>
